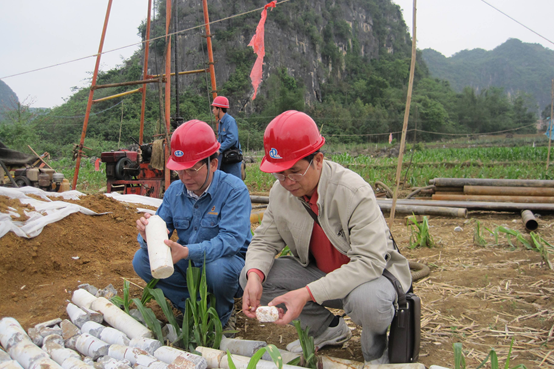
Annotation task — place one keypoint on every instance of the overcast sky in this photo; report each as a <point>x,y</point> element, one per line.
<point>40,33</point>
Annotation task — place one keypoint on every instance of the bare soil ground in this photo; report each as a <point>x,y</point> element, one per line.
<point>480,296</point>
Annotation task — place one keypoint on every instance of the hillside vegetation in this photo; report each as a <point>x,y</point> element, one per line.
<point>515,66</point>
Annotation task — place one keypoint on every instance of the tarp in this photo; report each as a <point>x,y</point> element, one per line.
<point>50,211</point>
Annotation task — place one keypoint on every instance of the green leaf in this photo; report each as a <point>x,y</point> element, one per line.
<point>230,361</point>
<point>166,308</point>
<point>459,360</point>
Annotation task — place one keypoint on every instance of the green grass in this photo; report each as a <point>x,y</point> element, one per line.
<point>521,161</point>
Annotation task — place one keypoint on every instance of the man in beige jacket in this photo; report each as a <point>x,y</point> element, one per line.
<point>339,251</point>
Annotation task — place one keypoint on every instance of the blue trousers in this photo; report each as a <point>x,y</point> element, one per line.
<point>222,278</point>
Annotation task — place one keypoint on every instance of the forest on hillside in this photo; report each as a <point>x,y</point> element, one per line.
<point>362,98</point>
<point>514,66</point>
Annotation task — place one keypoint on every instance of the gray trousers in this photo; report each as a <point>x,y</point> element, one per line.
<point>370,305</point>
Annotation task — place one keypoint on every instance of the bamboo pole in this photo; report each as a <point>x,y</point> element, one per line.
<point>38,156</point>
<point>117,95</point>
<point>550,131</point>
<point>406,116</point>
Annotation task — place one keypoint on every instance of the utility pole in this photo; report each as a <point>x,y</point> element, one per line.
<point>550,130</point>
<point>406,116</point>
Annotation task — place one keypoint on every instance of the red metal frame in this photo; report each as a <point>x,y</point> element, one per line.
<point>152,185</point>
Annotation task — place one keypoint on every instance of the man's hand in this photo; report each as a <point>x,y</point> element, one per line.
<point>141,225</point>
<point>252,295</point>
<point>178,251</point>
<point>294,302</point>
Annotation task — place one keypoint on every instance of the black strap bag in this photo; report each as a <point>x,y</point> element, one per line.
<point>231,156</point>
<point>405,329</point>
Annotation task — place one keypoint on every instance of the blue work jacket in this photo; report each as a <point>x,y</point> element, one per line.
<point>228,133</point>
<point>217,224</point>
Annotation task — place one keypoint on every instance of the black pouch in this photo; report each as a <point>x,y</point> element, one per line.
<point>231,156</point>
<point>405,329</point>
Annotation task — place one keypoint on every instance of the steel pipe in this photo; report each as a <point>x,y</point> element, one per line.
<point>477,205</point>
<point>259,199</point>
<point>490,198</point>
<point>403,208</point>
<point>508,191</point>
<point>529,220</point>
<point>458,182</point>
<point>425,210</point>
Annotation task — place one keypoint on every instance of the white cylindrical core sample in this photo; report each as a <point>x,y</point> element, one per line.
<point>159,254</point>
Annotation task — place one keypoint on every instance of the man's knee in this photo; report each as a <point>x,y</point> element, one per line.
<point>141,264</point>
<point>224,272</point>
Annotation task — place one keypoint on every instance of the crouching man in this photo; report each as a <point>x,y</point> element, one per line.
<point>340,243</point>
<point>210,211</point>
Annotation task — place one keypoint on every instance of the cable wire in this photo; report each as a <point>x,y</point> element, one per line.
<point>518,22</point>
<point>137,43</point>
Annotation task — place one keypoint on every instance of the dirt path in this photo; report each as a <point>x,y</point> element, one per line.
<point>481,296</point>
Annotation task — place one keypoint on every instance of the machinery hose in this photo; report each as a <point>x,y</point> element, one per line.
<point>419,190</point>
<point>388,191</point>
<point>419,270</point>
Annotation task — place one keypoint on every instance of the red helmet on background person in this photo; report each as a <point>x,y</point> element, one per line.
<point>191,142</point>
<point>289,137</point>
<point>221,102</point>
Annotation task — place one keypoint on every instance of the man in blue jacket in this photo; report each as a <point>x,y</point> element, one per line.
<point>227,135</point>
<point>210,210</point>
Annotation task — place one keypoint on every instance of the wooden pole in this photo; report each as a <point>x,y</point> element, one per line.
<point>38,156</point>
<point>550,131</point>
<point>406,116</point>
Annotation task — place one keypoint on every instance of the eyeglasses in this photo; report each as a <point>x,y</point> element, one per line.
<point>295,177</point>
<point>191,172</point>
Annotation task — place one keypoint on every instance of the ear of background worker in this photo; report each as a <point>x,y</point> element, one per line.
<point>210,211</point>
<point>227,134</point>
<point>337,262</point>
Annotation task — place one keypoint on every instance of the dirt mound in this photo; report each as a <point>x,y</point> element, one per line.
<point>480,296</point>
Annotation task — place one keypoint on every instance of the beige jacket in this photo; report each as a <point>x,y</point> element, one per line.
<point>351,219</point>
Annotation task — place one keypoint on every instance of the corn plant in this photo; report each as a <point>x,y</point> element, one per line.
<point>201,324</point>
<point>477,237</point>
<point>150,320</point>
<point>125,301</point>
<point>166,308</point>
<point>146,295</point>
<point>271,349</point>
<point>543,247</point>
<point>308,359</point>
<point>459,360</point>
<point>420,236</point>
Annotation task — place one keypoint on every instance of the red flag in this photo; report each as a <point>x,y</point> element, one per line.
<point>97,165</point>
<point>257,44</point>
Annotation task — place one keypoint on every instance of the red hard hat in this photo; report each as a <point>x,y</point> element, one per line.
<point>289,137</point>
<point>221,102</point>
<point>191,142</point>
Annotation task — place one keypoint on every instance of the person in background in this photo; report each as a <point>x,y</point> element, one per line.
<point>227,135</point>
<point>339,241</point>
<point>210,211</point>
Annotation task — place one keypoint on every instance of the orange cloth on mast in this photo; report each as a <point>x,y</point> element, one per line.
<point>257,44</point>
